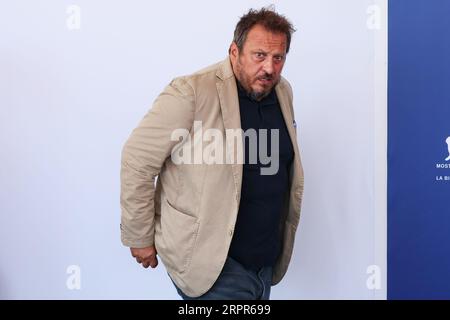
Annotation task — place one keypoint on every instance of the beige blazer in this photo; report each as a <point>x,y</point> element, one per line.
<point>189,213</point>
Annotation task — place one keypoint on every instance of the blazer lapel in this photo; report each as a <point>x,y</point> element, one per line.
<point>229,104</point>
<point>285,110</point>
<point>289,120</point>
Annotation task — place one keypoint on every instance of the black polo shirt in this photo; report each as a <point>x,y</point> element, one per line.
<point>256,241</point>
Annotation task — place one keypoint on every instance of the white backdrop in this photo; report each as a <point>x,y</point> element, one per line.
<point>69,97</point>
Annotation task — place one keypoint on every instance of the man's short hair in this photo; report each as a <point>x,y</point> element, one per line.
<point>267,18</point>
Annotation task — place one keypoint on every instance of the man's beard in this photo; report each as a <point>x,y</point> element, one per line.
<point>246,82</point>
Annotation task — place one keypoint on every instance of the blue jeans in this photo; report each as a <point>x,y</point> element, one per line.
<point>235,282</point>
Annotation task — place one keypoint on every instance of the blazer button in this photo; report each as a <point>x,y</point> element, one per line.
<point>230,233</point>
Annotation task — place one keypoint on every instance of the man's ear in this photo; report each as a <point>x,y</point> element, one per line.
<point>234,50</point>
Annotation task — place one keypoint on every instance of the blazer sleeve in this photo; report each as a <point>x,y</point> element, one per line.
<point>143,156</point>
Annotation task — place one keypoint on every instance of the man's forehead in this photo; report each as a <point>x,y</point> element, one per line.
<point>259,36</point>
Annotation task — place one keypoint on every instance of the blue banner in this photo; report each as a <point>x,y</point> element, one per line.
<point>419,150</point>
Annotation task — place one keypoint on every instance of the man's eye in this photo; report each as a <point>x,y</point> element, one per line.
<point>260,55</point>
<point>278,58</point>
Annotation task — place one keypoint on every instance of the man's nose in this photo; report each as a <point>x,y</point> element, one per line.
<point>268,66</point>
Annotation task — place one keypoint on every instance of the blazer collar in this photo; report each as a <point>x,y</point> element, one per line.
<point>225,70</point>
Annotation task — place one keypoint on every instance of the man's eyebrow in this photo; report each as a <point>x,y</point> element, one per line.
<point>265,52</point>
<point>259,50</point>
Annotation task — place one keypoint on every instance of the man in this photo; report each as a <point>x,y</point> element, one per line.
<point>223,228</point>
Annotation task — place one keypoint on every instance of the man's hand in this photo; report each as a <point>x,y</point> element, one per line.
<point>146,256</point>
